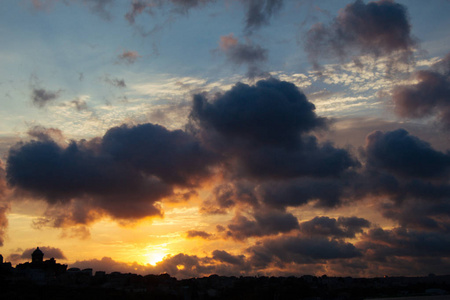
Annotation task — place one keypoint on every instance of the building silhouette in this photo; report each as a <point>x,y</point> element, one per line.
<point>37,256</point>
<point>39,270</point>
<point>5,267</point>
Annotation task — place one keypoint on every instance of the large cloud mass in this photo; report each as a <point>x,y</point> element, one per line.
<point>264,128</point>
<point>123,174</point>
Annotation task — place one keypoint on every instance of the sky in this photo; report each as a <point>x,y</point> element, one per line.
<point>234,137</point>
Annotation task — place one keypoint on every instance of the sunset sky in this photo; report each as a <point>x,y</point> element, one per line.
<point>234,137</point>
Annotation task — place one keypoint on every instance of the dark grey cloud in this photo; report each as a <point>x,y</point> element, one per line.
<point>259,12</point>
<point>380,244</point>
<point>309,158</point>
<point>263,127</point>
<point>402,154</point>
<point>343,227</point>
<point>263,132</point>
<point>298,249</point>
<point>121,174</point>
<point>225,257</point>
<point>249,54</point>
<point>297,192</point>
<point>378,28</point>
<point>201,234</point>
<point>420,214</point>
<point>280,193</point>
<point>174,156</point>
<point>271,112</point>
<point>226,196</point>
<point>264,223</point>
<point>41,97</point>
<point>395,165</point>
<point>429,97</point>
<point>120,83</point>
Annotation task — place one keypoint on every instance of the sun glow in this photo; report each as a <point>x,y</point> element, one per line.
<point>155,257</point>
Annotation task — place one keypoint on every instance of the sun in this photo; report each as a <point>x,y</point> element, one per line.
<point>154,257</point>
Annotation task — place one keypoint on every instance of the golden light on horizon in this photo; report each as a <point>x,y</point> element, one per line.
<point>155,257</point>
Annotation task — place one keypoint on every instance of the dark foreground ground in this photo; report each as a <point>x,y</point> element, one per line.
<point>131,286</point>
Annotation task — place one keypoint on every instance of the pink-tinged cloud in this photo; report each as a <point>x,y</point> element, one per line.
<point>227,42</point>
<point>249,54</point>
<point>129,57</point>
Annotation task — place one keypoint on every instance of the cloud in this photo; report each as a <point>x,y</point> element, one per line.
<point>108,265</point>
<point>80,104</point>
<point>429,97</point>
<point>343,227</point>
<point>4,209</point>
<point>137,7</point>
<point>378,29</point>
<point>395,166</point>
<point>4,204</point>
<point>86,179</point>
<point>309,158</point>
<point>271,112</point>
<point>225,257</point>
<point>263,127</point>
<point>45,134</point>
<point>265,223</point>
<point>380,244</point>
<point>260,11</point>
<point>248,54</point>
<point>400,153</point>
<point>48,253</point>
<point>41,97</point>
<point>227,195</point>
<point>301,250</point>
<point>420,214</point>
<point>174,156</point>
<point>179,6</point>
<point>201,234</point>
<point>100,7</point>
<point>328,192</point>
<point>129,57</point>
<point>120,83</point>
<point>180,265</point>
